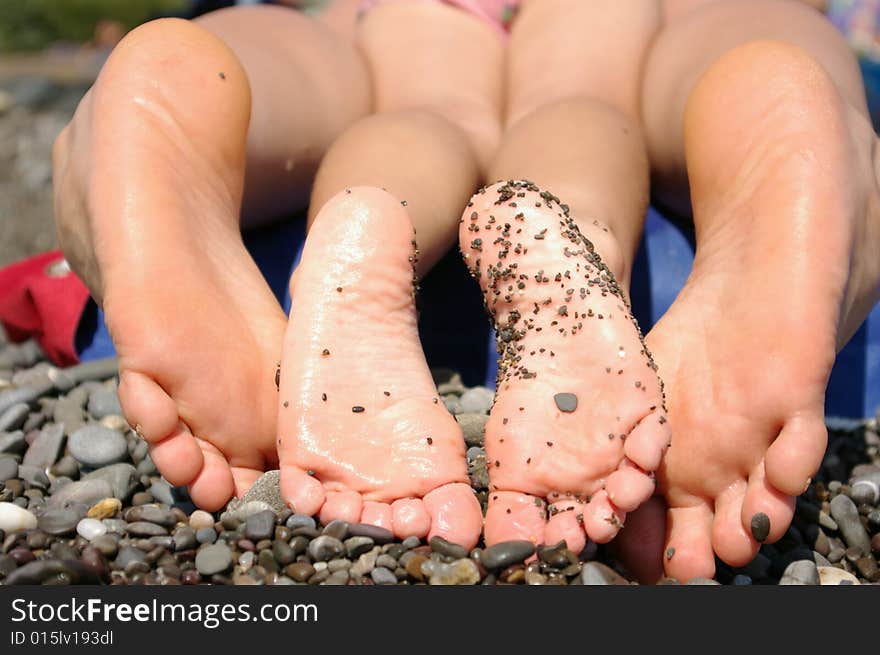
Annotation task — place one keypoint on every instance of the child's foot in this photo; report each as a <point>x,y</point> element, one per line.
<point>364,437</point>
<point>786,206</point>
<point>578,426</point>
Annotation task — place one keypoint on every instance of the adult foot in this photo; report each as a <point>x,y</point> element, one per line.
<point>363,436</point>
<point>578,426</point>
<point>786,208</point>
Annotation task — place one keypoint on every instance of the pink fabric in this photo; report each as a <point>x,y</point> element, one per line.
<point>497,13</point>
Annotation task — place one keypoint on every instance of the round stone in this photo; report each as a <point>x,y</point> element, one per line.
<point>300,521</point>
<point>145,529</point>
<point>89,529</point>
<point>14,518</point>
<point>760,526</point>
<point>357,546</point>
<point>477,400</point>
<point>62,520</point>
<point>473,428</point>
<point>566,401</point>
<point>336,528</point>
<point>152,514</point>
<point>8,468</point>
<point>460,572</point>
<point>325,548</point>
<point>206,535</point>
<point>213,559</point>
<point>846,514</point>
<point>201,519</point>
<point>374,532</point>
<point>506,553</point>
<point>97,446</point>
<point>440,545</point>
<point>381,575</point>
<point>831,576</point>
<point>802,572</point>
<point>596,573</point>
<point>260,525</point>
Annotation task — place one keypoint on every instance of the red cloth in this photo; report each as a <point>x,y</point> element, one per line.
<point>41,298</point>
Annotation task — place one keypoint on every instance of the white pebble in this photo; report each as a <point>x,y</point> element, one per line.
<point>13,518</point>
<point>201,519</point>
<point>90,529</point>
<point>832,576</point>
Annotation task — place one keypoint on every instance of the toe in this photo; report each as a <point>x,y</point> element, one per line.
<point>602,520</point>
<point>213,485</point>
<point>178,456</point>
<point>146,406</point>
<point>301,491</point>
<point>762,498</point>
<point>344,505</point>
<point>648,441</point>
<point>796,454</point>
<point>688,552</point>
<point>378,514</point>
<point>566,523</point>
<point>731,542</point>
<point>512,516</point>
<point>244,479</point>
<point>410,518</point>
<point>455,514</point>
<point>628,487</point>
<point>640,543</point>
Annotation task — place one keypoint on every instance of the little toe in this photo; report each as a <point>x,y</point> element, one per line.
<point>178,456</point>
<point>213,485</point>
<point>455,514</point>
<point>147,407</point>
<point>343,505</point>
<point>512,516</point>
<point>766,511</point>
<point>688,551</point>
<point>628,487</point>
<point>648,441</point>
<point>796,454</point>
<point>301,491</point>
<point>732,543</point>
<point>410,518</point>
<point>602,520</point>
<point>378,514</point>
<point>566,523</point>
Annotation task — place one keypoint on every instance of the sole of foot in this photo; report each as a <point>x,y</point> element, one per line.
<point>578,425</point>
<point>363,435</point>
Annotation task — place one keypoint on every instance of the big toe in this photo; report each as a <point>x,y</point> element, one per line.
<point>455,514</point>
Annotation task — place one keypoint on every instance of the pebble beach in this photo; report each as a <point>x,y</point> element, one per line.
<point>82,503</point>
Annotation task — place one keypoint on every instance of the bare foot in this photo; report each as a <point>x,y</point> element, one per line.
<point>785,272</point>
<point>578,420</point>
<point>364,437</point>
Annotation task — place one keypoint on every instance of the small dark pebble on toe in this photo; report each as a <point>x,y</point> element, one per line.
<point>566,402</point>
<point>760,526</point>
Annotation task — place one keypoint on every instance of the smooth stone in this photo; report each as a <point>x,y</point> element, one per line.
<point>865,492</point>
<point>14,417</point>
<point>201,519</point>
<point>827,522</point>
<point>740,580</point>
<point>185,538</point>
<point>365,563</point>
<point>105,508</point>
<point>213,559</point>
<point>118,423</point>
<point>387,561</point>
<point>703,582</point>
<point>867,568</point>
<point>41,571</point>
<point>283,553</point>
<point>440,545</point>
<point>246,559</point>
<point>596,573</point>
<point>33,476</point>
<point>760,526</point>
<point>66,466</point>
<point>325,548</point>
<point>46,448</point>
<point>13,442</point>
<point>8,468</point>
<point>96,446</point>
<point>14,518</point>
<point>477,400</point>
<point>374,532</point>
<point>145,529</point>
<point>116,526</point>
<point>107,545</point>
<point>830,576</point>
<point>260,525</point>
<point>104,402</point>
<point>60,521</point>
<point>267,489</point>
<point>473,427</point>
<point>336,528</point>
<point>300,521</point>
<point>381,575</point>
<point>846,514</point>
<point>89,529</point>
<point>153,514</point>
<point>506,553</point>
<point>461,572</point>
<point>87,492</point>
<point>122,478</point>
<point>357,546</point>
<point>206,535</point>
<point>69,413</point>
<point>566,401</point>
<point>34,421</point>
<point>447,380</point>
<point>128,555</point>
<point>300,571</point>
<point>557,555</point>
<point>801,572</point>
<point>97,369</point>
<point>452,404</point>
<point>25,394</point>
<point>241,510</point>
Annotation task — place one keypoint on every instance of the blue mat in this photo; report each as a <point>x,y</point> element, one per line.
<point>455,332</point>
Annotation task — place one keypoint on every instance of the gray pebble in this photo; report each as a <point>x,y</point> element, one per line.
<point>65,467</point>
<point>505,554</point>
<point>145,529</point>
<point>283,553</point>
<point>300,521</point>
<point>97,369</point>
<point>34,422</point>
<point>96,446</point>
<point>337,578</point>
<point>460,572</point>
<point>260,525</point>
<point>865,492</point>
<point>146,466</point>
<point>477,400</point>
<point>268,490</point>
<point>184,538</point>
<point>14,417</point>
<point>41,571</point>
<point>46,448</point>
<point>206,535</point>
<point>69,413</point>
<point>705,582</point>
<point>827,522</point>
<point>36,477</point>
<point>596,573</point>
<point>163,492</point>
<point>26,394</point>
<point>387,561</point>
<point>411,542</point>
<point>844,511</point>
<point>152,513</point>
<point>440,545</point>
<point>212,559</point>
<point>760,526</point>
<point>473,428</point>
<point>337,529</point>
<point>87,492</point>
<point>122,478</point>
<point>127,555</point>
<point>801,572</point>
<point>104,402</point>
<point>357,546</point>
<point>8,468</point>
<point>12,442</point>
<point>60,521</point>
<point>325,548</point>
<point>741,580</point>
<point>453,405</point>
<point>566,401</point>
<point>381,575</point>
<point>377,534</point>
<point>478,470</point>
